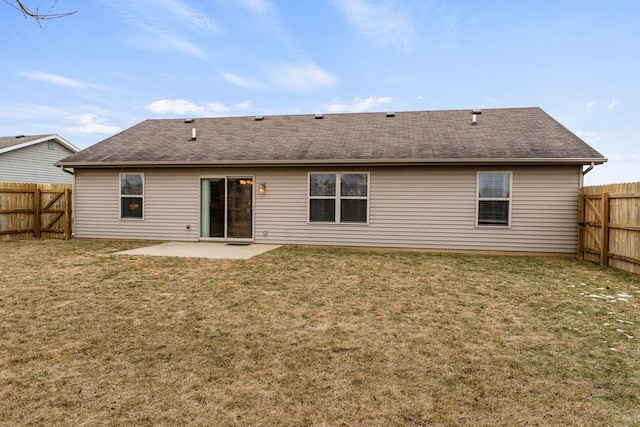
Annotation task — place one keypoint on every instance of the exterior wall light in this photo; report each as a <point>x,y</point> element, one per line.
<point>262,187</point>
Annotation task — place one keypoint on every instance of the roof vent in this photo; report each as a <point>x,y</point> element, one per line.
<point>193,134</point>
<point>319,116</point>
<point>189,120</point>
<point>259,118</point>
<point>474,118</point>
<point>19,136</point>
<point>391,114</point>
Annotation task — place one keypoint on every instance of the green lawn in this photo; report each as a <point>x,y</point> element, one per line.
<point>314,337</point>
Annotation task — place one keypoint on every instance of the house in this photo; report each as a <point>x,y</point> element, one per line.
<point>31,158</point>
<point>498,179</point>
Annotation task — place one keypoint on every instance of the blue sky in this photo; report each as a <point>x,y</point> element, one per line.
<point>115,63</point>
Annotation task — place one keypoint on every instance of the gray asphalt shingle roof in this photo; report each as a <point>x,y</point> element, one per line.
<point>9,141</point>
<point>412,137</point>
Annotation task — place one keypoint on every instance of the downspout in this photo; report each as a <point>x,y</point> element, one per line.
<point>584,172</point>
<point>71,172</point>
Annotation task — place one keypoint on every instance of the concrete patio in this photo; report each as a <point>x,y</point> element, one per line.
<point>212,250</point>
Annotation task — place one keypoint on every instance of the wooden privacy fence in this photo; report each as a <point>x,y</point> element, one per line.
<point>34,211</point>
<point>609,225</point>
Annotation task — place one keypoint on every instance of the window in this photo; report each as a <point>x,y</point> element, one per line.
<point>494,199</point>
<point>131,195</point>
<point>338,197</point>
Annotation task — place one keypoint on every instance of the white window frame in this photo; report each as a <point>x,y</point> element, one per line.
<point>124,196</point>
<point>490,199</point>
<point>338,197</point>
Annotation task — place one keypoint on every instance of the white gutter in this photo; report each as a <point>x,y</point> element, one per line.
<point>329,162</point>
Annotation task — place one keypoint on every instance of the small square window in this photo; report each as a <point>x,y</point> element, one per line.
<point>353,184</point>
<point>322,210</point>
<point>353,210</point>
<point>322,184</point>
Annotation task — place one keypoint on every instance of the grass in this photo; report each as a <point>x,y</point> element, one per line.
<point>313,337</point>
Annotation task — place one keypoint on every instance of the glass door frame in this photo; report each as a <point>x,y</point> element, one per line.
<point>226,237</point>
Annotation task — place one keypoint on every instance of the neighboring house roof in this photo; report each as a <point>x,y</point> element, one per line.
<point>10,143</point>
<point>511,135</point>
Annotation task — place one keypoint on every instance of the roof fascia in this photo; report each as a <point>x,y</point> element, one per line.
<point>60,140</point>
<point>339,162</point>
<point>65,143</point>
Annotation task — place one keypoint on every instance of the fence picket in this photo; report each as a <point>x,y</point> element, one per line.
<point>609,225</point>
<point>29,211</point>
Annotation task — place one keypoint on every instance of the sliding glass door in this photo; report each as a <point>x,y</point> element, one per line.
<point>226,207</point>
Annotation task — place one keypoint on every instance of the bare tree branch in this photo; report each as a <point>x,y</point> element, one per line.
<point>28,13</point>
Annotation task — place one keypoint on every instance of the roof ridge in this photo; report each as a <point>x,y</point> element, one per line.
<point>265,116</point>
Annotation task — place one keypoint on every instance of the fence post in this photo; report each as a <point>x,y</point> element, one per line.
<point>67,214</point>
<point>37,205</point>
<point>604,249</point>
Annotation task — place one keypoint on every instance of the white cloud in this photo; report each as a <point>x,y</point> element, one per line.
<point>175,106</point>
<point>217,107</point>
<point>491,101</point>
<point>302,78</point>
<point>266,19</point>
<point>613,104</point>
<point>185,14</point>
<point>448,26</point>
<point>156,39</point>
<point>84,128</point>
<point>52,78</point>
<point>173,42</point>
<point>620,167</point>
<point>167,14</point>
<point>627,158</point>
<point>244,105</point>
<point>59,80</point>
<point>163,25</point>
<point>359,105</point>
<point>182,107</point>
<point>259,7</point>
<point>384,23</point>
<point>588,137</point>
<point>21,111</point>
<point>242,82</point>
<point>590,104</point>
<point>92,123</point>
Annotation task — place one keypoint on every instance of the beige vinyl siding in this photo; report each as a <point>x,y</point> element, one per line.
<point>430,207</point>
<point>170,204</point>
<point>34,163</point>
<point>412,207</point>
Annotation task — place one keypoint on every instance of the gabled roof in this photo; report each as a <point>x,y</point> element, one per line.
<point>10,143</point>
<point>512,135</point>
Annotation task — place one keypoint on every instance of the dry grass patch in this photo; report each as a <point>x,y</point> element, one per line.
<point>304,336</point>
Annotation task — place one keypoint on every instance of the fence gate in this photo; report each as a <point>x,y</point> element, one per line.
<point>592,232</point>
<point>34,211</point>
<point>609,225</point>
